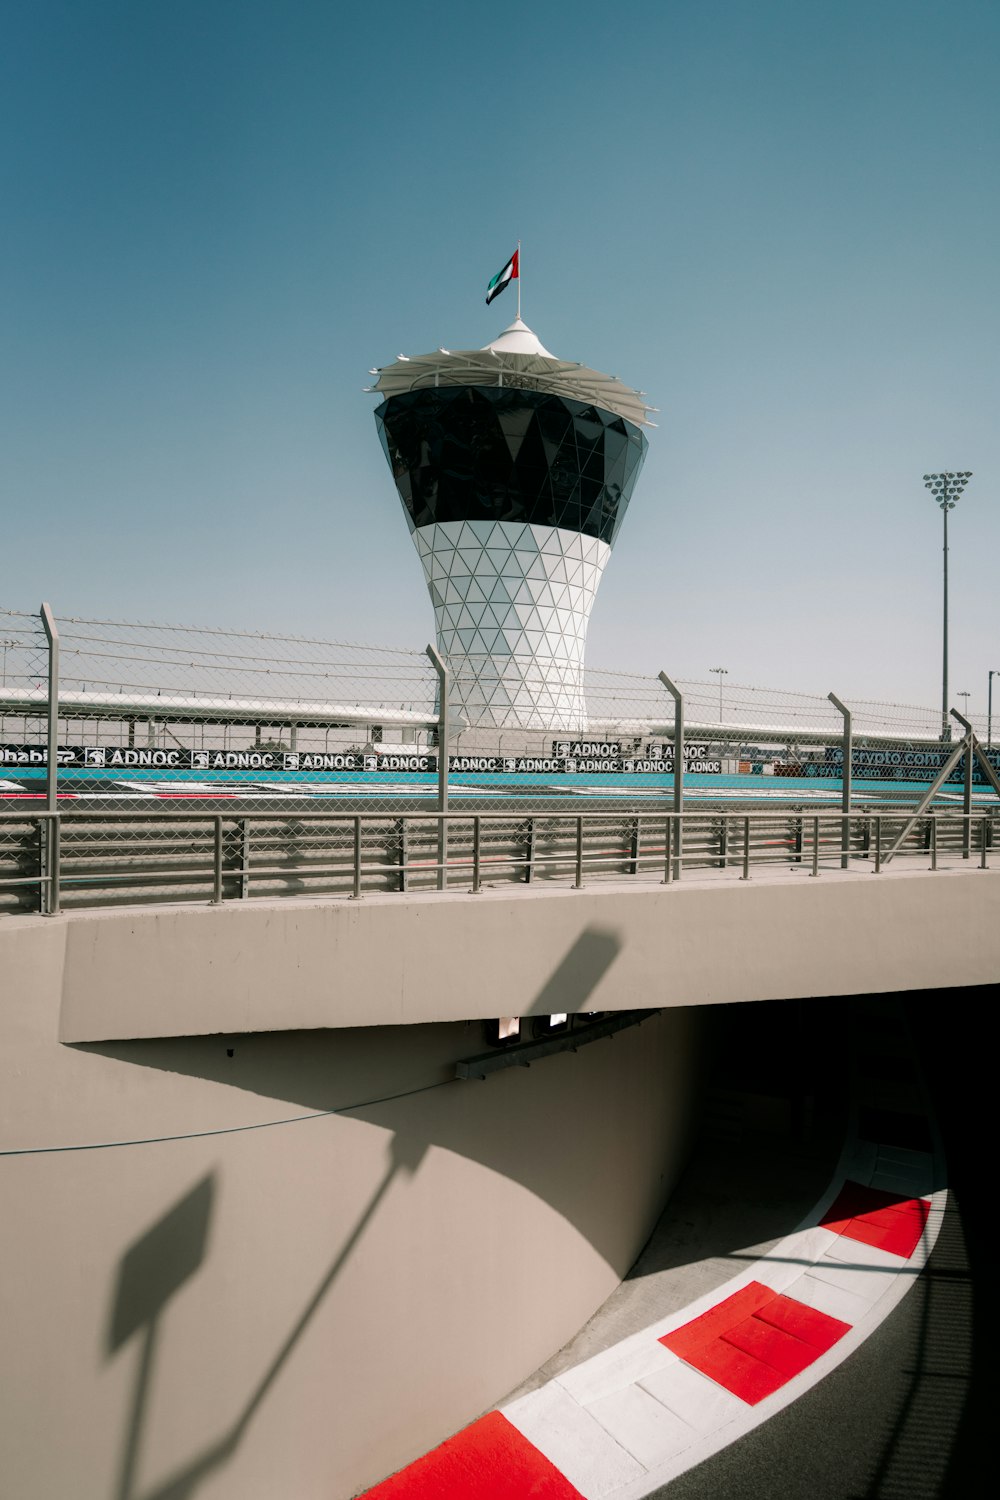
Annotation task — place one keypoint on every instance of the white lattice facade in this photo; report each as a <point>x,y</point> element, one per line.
<point>511,605</point>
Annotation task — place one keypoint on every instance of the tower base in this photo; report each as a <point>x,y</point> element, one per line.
<point>511,605</point>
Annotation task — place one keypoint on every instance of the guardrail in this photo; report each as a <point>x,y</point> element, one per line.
<point>51,861</point>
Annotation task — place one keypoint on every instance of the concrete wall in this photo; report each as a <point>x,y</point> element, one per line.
<point>264,966</point>
<point>292,1308</point>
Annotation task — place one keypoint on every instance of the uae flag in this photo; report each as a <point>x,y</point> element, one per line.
<point>500,280</point>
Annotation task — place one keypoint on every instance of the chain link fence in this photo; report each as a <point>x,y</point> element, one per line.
<point>25,849</point>
<point>282,765</point>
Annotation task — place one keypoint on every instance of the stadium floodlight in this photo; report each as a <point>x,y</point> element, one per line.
<point>720,672</point>
<point>995,672</point>
<point>946,489</point>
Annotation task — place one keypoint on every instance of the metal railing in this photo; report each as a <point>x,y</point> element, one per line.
<point>52,861</point>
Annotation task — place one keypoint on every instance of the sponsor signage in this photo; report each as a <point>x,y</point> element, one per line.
<point>587,749</point>
<point>904,764</point>
<point>656,760</point>
<point>693,765</point>
<point>134,758</point>
<point>665,751</point>
<point>121,760</point>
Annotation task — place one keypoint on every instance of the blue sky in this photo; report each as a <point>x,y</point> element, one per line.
<point>780,219</point>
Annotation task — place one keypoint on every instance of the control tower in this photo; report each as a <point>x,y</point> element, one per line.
<point>515,470</point>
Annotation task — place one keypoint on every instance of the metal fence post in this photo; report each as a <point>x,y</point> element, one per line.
<point>746,849</point>
<point>476,855</point>
<point>967,798</point>
<point>217,863</point>
<point>846,772</point>
<point>678,698</point>
<point>53,841</point>
<point>579,854</point>
<point>444,683</point>
<point>970,751</point>
<point>356,893</point>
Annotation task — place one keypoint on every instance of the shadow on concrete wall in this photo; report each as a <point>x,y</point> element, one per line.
<point>149,1274</point>
<point>576,976</point>
<point>156,1267</point>
<point>328,1069</point>
<point>363,1069</point>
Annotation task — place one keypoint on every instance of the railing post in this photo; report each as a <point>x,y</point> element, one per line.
<point>983,832</point>
<point>43,862</point>
<point>933,841</point>
<point>967,798</point>
<point>667,874</point>
<point>579,854</point>
<point>356,893</point>
<point>746,849</point>
<point>217,862</point>
<point>970,751</point>
<point>243,831</point>
<point>53,841</point>
<point>444,684</point>
<point>678,804</point>
<point>878,843</point>
<point>476,855</point>
<point>404,853</point>
<point>815,868</point>
<point>845,780</point>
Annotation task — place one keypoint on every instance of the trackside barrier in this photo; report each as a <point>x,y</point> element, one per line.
<point>53,860</point>
<point>111,713</point>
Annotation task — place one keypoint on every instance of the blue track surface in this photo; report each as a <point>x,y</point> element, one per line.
<point>372,784</point>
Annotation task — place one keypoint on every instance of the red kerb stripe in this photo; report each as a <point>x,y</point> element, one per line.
<point>488,1461</point>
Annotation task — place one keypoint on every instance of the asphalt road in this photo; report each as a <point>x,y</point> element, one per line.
<point>911,1414</point>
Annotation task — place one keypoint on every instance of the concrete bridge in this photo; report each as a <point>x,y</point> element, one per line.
<point>258,1236</point>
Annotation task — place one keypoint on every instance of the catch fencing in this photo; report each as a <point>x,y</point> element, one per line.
<point>144,761</point>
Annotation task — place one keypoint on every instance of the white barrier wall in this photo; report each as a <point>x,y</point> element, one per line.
<point>247,1304</point>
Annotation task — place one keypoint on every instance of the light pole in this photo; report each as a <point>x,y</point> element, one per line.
<point>946,489</point>
<point>966,696</point>
<point>720,672</point>
<point>989,708</point>
<point>6,646</point>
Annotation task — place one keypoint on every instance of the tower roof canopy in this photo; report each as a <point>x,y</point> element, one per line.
<point>516,357</point>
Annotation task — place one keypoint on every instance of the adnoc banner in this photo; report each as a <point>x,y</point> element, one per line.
<point>177,758</point>
<point>120,760</point>
<point>587,749</point>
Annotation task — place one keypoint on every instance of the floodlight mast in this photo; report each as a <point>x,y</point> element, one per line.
<point>946,489</point>
<point>720,673</point>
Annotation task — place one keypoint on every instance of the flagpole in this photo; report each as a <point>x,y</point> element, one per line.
<point>519,280</point>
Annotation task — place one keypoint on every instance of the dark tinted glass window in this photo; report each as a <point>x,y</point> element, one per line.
<point>467,453</point>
